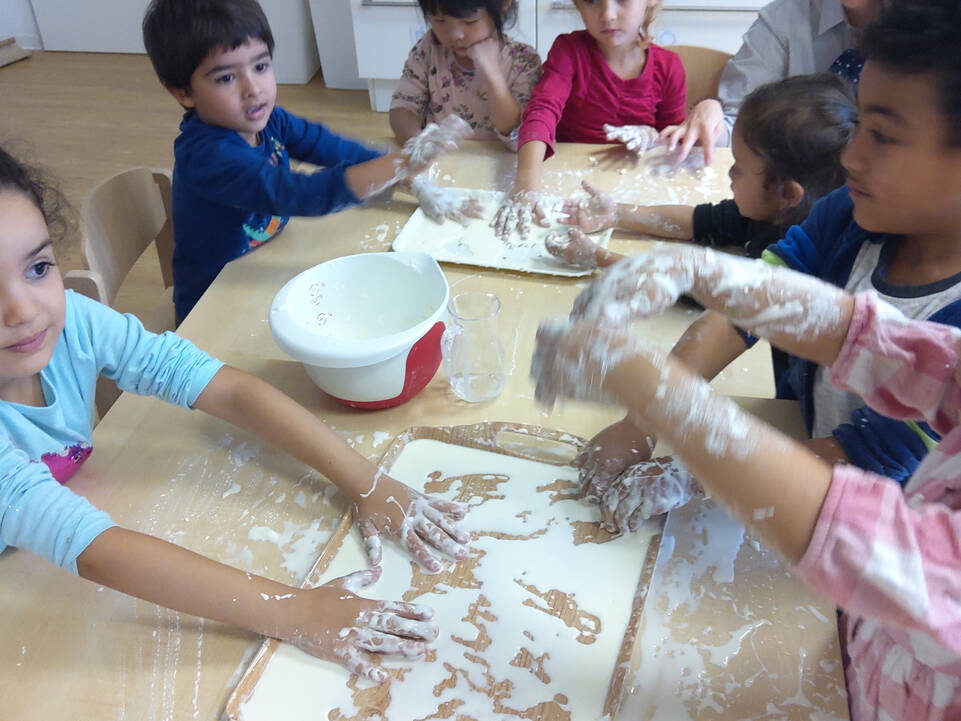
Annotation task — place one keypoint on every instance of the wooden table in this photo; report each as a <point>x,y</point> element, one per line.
<point>729,635</point>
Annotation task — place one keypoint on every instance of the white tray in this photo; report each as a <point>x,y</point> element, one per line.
<point>476,244</point>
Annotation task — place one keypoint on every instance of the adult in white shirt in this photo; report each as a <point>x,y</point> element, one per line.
<point>789,37</point>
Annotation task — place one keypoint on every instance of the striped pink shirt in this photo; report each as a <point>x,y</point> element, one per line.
<point>891,560</point>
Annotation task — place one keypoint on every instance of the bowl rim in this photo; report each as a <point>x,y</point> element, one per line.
<point>312,347</point>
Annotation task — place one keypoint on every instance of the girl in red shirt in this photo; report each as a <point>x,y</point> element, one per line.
<point>606,83</point>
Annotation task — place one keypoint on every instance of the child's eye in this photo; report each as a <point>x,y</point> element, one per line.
<point>881,138</point>
<point>224,79</point>
<point>262,67</point>
<point>39,270</point>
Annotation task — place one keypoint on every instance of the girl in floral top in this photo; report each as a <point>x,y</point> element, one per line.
<point>465,65</point>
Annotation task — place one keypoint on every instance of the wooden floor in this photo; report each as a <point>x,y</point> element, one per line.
<point>86,116</point>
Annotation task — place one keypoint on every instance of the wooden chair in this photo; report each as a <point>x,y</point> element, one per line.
<point>121,217</point>
<point>703,68</point>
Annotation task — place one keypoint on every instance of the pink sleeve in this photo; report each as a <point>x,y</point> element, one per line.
<point>549,96</point>
<point>673,103</point>
<point>902,368</point>
<point>411,92</point>
<point>878,557</point>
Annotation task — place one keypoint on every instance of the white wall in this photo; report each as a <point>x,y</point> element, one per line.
<point>113,26</point>
<point>17,21</point>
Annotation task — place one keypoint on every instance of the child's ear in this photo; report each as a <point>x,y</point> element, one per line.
<point>792,193</point>
<point>181,96</point>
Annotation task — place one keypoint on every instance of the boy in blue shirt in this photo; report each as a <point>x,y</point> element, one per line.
<point>894,229</point>
<point>233,188</point>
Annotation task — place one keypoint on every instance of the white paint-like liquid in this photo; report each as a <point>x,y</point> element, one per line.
<point>519,581</point>
<point>477,244</point>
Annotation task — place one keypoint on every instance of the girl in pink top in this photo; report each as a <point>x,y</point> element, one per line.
<point>891,560</point>
<point>466,65</point>
<point>606,83</point>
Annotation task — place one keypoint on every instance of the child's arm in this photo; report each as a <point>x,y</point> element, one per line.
<point>524,204</point>
<point>404,123</point>
<point>600,211</point>
<point>771,483</point>
<point>896,570</point>
<point>382,505</point>
<point>408,104</point>
<point>328,621</point>
<point>505,109</point>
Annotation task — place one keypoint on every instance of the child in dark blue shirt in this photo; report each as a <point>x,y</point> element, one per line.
<point>233,187</point>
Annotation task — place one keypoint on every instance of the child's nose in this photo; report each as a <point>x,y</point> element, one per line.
<point>18,307</point>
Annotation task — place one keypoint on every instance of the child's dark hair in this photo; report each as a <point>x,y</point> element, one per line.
<point>179,34</point>
<point>18,177</point>
<point>501,17</point>
<point>799,126</point>
<point>921,37</point>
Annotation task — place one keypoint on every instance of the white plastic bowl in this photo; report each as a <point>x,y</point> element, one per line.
<point>366,327</point>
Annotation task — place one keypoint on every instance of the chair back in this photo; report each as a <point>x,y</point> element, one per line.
<point>121,217</point>
<point>703,68</point>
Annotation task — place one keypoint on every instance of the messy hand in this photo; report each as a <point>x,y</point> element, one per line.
<point>646,489</point>
<point>640,286</point>
<point>421,524</point>
<point>572,359</point>
<point>572,247</point>
<point>609,454</point>
<point>421,150</point>
<point>332,623</point>
<point>637,138</point>
<point>439,203</point>
<point>517,212</point>
<point>596,212</point>
<point>705,123</point>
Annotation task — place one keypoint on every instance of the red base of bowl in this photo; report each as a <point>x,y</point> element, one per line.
<point>422,363</point>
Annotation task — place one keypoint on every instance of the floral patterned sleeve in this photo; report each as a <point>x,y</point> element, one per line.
<point>525,71</point>
<point>411,92</point>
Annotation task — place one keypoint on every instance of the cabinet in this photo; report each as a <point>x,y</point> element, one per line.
<point>108,26</point>
<point>385,31</point>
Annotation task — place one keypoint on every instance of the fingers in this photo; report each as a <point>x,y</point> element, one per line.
<point>376,642</point>
<point>591,190</point>
<point>540,214</point>
<point>363,665</point>
<point>710,139</point>
<point>416,611</point>
<point>457,511</point>
<point>421,552</point>
<point>372,544</point>
<point>446,523</point>
<point>387,622</point>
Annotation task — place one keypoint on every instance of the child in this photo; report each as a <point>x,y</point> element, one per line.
<point>894,229</point>
<point>233,188</point>
<point>787,155</point>
<point>466,66</point>
<point>606,83</point>
<point>56,344</point>
<point>889,559</point>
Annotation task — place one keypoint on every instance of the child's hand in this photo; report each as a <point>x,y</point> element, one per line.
<point>637,138</point>
<point>486,56</point>
<point>572,359</point>
<point>646,489</point>
<point>640,286</point>
<point>332,623</point>
<point>420,151</point>
<point>597,212</point>
<point>517,212</point>
<point>704,124</point>
<point>439,203</point>
<point>421,524</point>
<point>573,247</point>
<point>609,454</point>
